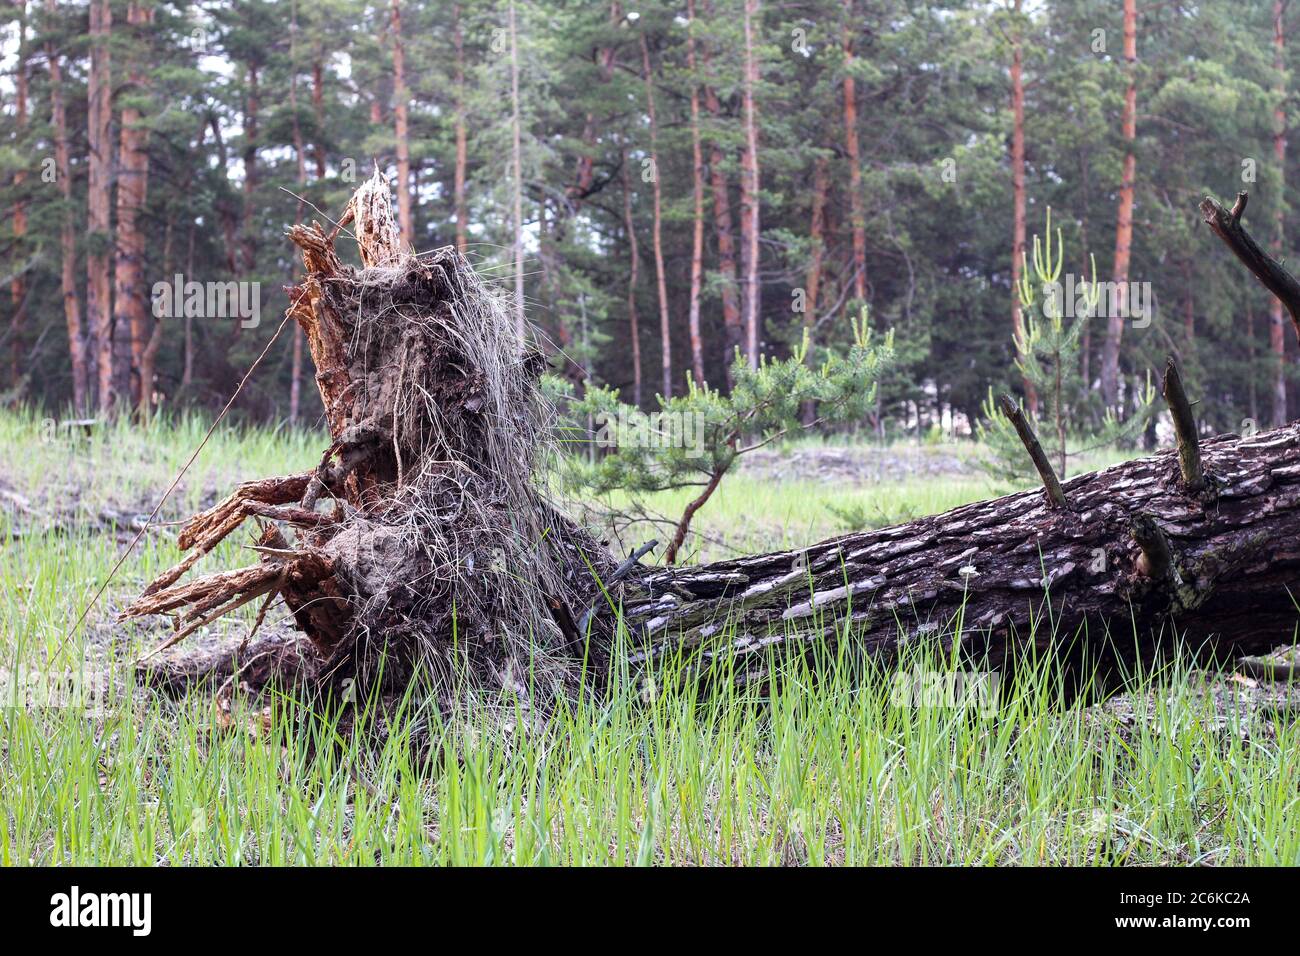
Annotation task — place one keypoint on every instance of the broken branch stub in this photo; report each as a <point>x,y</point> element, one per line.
<point>1051,484</point>
<point>1189,443</point>
<point>1226,224</point>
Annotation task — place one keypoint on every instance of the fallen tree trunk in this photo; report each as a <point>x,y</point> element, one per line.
<point>439,552</point>
<point>1134,554</point>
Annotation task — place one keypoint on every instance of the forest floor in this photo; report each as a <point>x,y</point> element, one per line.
<point>1189,767</point>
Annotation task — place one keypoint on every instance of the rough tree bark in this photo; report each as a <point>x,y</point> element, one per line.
<point>989,570</point>
<point>434,417</point>
<point>131,294</point>
<point>431,413</point>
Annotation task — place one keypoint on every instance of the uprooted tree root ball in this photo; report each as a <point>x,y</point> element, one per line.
<point>433,547</point>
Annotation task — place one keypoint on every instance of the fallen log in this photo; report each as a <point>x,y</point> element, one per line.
<point>440,551</point>
<point>1133,563</point>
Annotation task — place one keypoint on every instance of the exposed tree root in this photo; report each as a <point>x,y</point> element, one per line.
<point>282,658</point>
<point>435,547</point>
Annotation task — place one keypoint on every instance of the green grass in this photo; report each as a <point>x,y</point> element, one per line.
<point>832,770</point>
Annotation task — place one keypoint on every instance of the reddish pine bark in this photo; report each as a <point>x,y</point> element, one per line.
<point>1124,223</point>
<point>130,294</point>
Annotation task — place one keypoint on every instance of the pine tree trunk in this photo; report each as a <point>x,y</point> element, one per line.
<point>634,266</point>
<point>405,214</point>
<point>661,282</point>
<point>1124,221</point>
<point>697,208</point>
<point>857,210</point>
<point>1013,575</point>
<point>99,91</point>
<point>1276,327</point>
<point>750,225</point>
<point>67,227</point>
<point>131,293</point>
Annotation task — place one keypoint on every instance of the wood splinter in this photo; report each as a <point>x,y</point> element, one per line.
<point>1189,444</point>
<point>1051,485</point>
